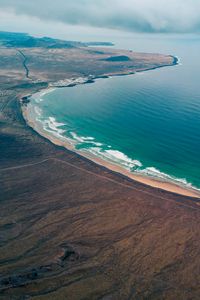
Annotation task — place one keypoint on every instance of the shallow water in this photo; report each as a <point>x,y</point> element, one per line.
<point>148,123</point>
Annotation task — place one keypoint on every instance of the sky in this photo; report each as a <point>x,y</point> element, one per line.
<point>143,16</point>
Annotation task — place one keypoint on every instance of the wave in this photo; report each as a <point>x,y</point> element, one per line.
<point>96,148</point>
<point>157,174</point>
<point>135,166</point>
<point>81,138</point>
<point>116,157</point>
<point>105,152</point>
<point>52,126</point>
<point>38,97</point>
<point>85,140</point>
<point>121,157</point>
<point>113,156</point>
<point>38,110</point>
<point>178,62</point>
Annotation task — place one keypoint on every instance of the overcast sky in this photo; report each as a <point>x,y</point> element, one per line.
<point>149,16</point>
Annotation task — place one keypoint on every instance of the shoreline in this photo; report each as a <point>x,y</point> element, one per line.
<point>152,182</point>
<point>64,142</point>
<point>71,82</point>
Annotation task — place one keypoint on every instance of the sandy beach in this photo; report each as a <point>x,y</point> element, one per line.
<point>64,142</point>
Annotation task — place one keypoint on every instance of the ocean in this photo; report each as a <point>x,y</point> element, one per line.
<point>148,123</point>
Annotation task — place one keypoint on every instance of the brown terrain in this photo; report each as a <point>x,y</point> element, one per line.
<point>70,229</point>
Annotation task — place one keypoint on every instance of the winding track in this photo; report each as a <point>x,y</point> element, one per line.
<point>24,63</point>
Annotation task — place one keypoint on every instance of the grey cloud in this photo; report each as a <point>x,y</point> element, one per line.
<point>132,15</point>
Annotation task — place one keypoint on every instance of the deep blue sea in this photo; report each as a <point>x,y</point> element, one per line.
<point>148,123</point>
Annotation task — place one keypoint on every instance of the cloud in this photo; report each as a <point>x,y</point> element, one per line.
<point>132,15</point>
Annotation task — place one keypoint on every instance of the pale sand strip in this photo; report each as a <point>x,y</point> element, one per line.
<point>167,186</point>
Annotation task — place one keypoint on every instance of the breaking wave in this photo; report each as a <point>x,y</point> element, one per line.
<point>51,125</point>
<point>82,140</point>
<point>39,97</point>
<point>155,173</point>
<point>88,144</point>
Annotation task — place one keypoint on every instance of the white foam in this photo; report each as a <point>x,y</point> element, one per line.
<point>85,139</point>
<point>81,139</point>
<point>53,125</point>
<point>47,91</point>
<point>115,154</point>
<point>116,157</point>
<point>57,124</point>
<point>97,144</point>
<point>38,100</point>
<point>38,97</point>
<point>178,60</point>
<point>155,173</point>
<point>38,110</point>
<point>119,158</point>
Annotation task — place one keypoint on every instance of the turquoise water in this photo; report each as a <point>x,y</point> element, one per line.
<point>148,123</point>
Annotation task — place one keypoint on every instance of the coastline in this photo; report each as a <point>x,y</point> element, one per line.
<point>71,82</point>
<point>65,142</point>
<point>71,221</point>
<point>153,182</point>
